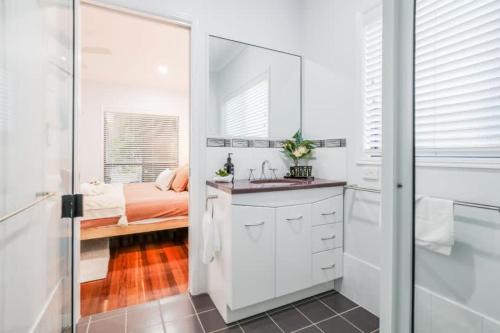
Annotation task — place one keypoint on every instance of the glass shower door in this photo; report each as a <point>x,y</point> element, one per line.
<point>36,108</point>
<point>457,174</point>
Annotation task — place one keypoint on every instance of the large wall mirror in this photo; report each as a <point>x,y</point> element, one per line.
<point>254,92</point>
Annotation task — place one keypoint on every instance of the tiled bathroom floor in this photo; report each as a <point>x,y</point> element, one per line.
<point>327,312</point>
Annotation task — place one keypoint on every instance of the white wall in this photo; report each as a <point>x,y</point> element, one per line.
<point>332,103</point>
<point>464,285</point>
<point>272,24</point>
<point>98,97</point>
<point>461,287</point>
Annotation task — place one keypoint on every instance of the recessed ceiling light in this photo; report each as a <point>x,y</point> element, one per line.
<point>162,69</point>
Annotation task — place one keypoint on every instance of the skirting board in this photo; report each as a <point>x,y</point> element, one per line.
<point>231,316</point>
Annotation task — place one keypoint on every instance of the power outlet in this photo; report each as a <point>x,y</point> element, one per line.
<point>370,173</point>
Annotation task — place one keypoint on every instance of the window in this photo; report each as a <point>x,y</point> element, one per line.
<point>372,81</point>
<point>457,78</point>
<point>246,113</point>
<point>137,147</point>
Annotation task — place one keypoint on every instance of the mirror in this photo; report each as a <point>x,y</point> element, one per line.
<point>254,92</point>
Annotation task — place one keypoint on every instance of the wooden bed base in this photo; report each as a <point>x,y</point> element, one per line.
<point>117,230</point>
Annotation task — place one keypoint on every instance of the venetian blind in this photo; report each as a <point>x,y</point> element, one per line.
<point>457,77</point>
<point>372,82</point>
<point>246,113</point>
<point>137,147</point>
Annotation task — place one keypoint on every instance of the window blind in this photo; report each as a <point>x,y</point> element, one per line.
<point>372,82</point>
<point>137,147</point>
<point>457,77</point>
<point>246,113</point>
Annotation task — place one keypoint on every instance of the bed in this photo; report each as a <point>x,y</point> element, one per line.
<point>124,209</point>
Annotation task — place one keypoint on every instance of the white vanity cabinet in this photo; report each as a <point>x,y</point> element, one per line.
<point>277,247</point>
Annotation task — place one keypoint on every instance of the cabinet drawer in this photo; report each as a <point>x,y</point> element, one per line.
<point>326,237</point>
<point>327,211</point>
<point>327,266</point>
<point>293,249</point>
<point>253,256</point>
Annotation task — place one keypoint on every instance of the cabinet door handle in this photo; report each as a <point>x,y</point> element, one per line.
<point>327,238</point>
<point>328,267</point>
<point>294,218</point>
<point>255,224</point>
<point>331,213</point>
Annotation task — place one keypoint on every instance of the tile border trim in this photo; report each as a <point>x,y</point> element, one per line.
<point>264,143</point>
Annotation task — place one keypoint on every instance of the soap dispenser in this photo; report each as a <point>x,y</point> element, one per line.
<point>229,166</point>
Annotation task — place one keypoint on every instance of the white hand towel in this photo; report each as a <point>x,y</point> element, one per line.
<point>434,224</point>
<point>91,189</point>
<point>211,239</point>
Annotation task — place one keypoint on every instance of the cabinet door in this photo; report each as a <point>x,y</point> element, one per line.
<point>293,249</point>
<point>327,266</point>
<point>328,211</point>
<point>326,237</point>
<point>253,256</point>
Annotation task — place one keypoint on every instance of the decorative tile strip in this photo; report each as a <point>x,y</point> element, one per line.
<point>318,143</point>
<point>276,144</point>
<point>240,143</point>
<point>260,143</point>
<point>334,143</point>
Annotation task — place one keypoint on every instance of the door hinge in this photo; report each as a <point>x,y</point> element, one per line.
<point>72,206</point>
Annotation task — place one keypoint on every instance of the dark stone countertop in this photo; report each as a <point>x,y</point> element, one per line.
<point>281,184</point>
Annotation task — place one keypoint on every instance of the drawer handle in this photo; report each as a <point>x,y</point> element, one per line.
<point>255,224</point>
<point>328,267</point>
<point>294,218</point>
<point>331,213</point>
<point>327,238</point>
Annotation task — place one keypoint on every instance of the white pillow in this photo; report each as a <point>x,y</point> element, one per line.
<point>165,179</point>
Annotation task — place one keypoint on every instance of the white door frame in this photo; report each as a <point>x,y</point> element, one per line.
<point>396,304</point>
<point>197,143</point>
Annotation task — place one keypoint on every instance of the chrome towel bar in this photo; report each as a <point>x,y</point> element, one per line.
<point>41,197</point>
<point>210,197</point>
<point>455,202</point>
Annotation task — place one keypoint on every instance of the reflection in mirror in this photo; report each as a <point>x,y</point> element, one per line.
<point>254,92</point>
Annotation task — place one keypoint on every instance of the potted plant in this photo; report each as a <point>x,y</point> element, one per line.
<point>298,149</point>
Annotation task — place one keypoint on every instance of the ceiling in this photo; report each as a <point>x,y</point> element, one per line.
<point>132,50</point>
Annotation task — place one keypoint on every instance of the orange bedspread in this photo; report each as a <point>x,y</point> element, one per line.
<point>145,201</point>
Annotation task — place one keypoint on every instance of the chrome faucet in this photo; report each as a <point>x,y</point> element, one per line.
<point>262,169</point>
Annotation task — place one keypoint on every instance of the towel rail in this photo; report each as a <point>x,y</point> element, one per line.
<point>455,202</point>
<point>210,197</point>
<point>41,197</point>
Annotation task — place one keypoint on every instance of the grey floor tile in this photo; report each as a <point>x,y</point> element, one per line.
<point>260,325</point>
<point>310,329</point>
<point>184,325</point>
<point>212,320</point>
<point>82,327</point>
<point>290,320</point>
<point>151,329</point>
<point>176,307</point>
<point>232,329</point>
<point>111,324</point>
<point>315,310</point>
<point>251,318</point>
<point>339,303</point>
<point>142,317</point>
<point>337,325</point>
<point>202,302</point>
<point>108,314</point>
<point>362,319</point>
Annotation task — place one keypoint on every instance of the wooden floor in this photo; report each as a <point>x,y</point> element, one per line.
<point>142,268</point>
